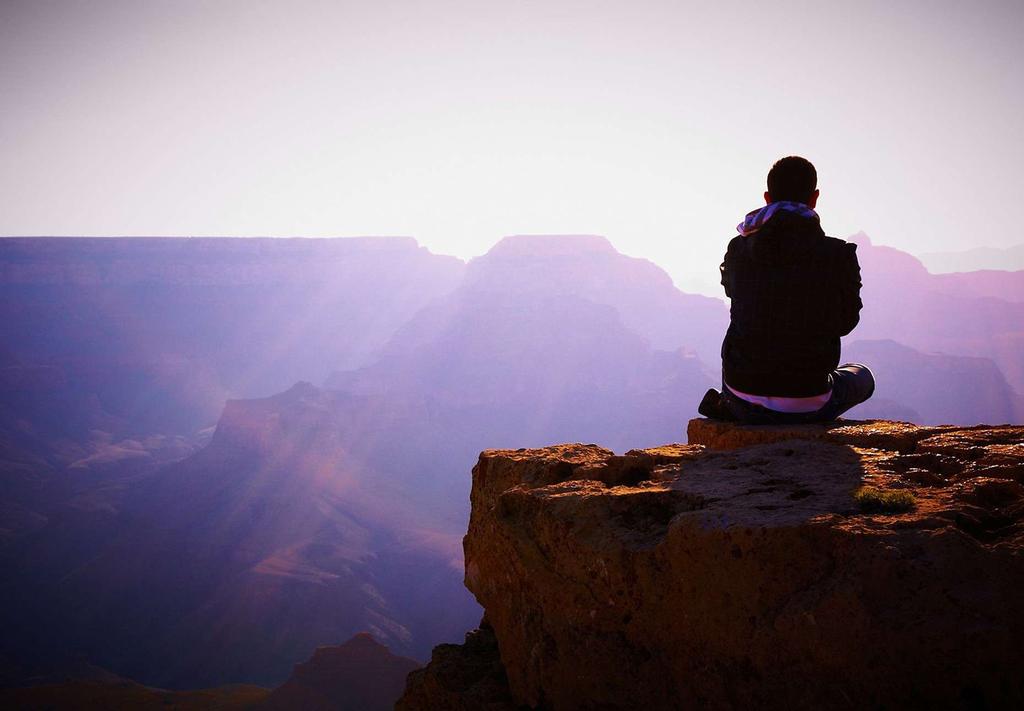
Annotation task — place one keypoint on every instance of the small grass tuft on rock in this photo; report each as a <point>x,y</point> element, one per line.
<point>871,499</point>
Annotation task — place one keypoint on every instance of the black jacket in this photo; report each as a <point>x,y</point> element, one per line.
<point>794,292</point>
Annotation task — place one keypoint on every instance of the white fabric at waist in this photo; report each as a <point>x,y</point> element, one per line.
<point>785,404</point>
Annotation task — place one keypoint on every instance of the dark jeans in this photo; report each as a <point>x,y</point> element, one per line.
<point>852,384</point>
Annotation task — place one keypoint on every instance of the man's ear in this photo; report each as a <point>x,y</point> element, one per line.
<point>767,198</point>
<point>814,200</point>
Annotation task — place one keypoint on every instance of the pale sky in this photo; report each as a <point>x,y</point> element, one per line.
<point>650,122</point>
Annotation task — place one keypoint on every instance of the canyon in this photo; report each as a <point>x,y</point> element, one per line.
<point>205,439</point>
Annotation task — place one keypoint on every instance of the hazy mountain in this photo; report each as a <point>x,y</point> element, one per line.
<point>117,353</point>
<point>1007,286</point>
<point>930,313</point>
<point>184,559</point>
<point>976,259</point>
<point>588,266</point>
<point>266,543</point>
<point>309,513</point>
<point>159,331</point>
<point>934,388</point>
<point>524,355</point>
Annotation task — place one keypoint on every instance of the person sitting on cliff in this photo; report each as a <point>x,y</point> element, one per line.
<point>794,293</point>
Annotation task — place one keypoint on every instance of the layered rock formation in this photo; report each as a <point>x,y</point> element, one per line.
<point>743,571</point>
<point>461,677</point>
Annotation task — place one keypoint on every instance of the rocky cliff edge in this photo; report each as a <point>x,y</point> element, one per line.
<point>858,564</point>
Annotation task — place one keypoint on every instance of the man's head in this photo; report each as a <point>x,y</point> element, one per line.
<point>792,179</point>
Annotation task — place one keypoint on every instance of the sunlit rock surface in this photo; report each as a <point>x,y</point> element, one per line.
<point>740,572</point>
<point>876,434</point>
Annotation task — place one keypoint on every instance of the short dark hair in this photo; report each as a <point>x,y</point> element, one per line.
<point>792,178</point>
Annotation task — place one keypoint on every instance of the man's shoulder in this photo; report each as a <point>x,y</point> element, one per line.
<point>840,245</point>
<point>735,243</point>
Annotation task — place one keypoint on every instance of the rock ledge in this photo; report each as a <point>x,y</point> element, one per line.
<point>737,571</point>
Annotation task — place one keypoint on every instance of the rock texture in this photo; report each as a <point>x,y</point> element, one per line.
<point>738,571</point>
<point>462,677</point>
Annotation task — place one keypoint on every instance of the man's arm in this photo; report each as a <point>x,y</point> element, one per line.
<point>849,289</point>
<point>724,268</point>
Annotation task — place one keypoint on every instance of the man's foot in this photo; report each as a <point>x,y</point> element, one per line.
<point>713,407</point>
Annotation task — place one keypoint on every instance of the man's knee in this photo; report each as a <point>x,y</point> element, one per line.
<point>860,378</point>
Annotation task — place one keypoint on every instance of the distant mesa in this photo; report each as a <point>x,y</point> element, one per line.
<point>93,261</point>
